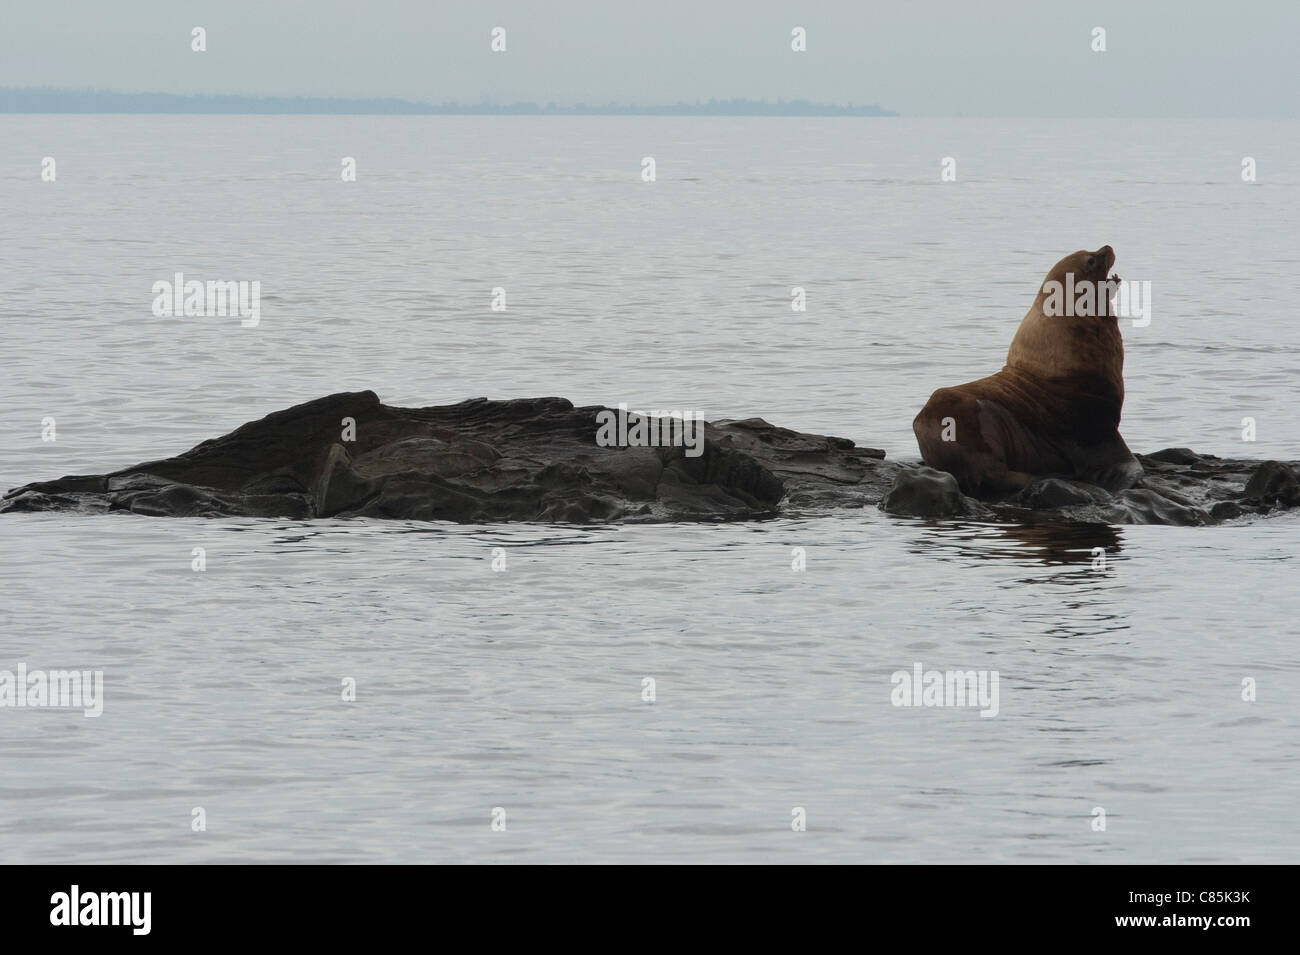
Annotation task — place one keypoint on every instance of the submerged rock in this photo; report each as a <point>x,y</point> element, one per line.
<point>537,459</point>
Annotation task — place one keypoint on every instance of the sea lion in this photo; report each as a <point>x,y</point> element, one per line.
<point>1053,410</point>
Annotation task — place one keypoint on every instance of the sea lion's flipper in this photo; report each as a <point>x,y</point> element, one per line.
<point>982,444</point>
<point>1117,474</point>
<point>1107,463</point>
<point>1021,448</point>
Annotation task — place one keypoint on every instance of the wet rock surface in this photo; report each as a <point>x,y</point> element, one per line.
<point>925,492</point>
<point>537,459</point>
<point>1179,487</point>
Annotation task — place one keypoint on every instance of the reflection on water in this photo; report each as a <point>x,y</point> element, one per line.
<point>1052,542</point>
<point>1058,542</point>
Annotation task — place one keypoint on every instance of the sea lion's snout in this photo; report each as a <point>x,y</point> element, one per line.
<point>1108,255</point>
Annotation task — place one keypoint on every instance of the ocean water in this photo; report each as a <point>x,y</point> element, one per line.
<point>521,689</point>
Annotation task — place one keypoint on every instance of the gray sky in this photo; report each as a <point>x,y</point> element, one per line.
<point>918,57</point>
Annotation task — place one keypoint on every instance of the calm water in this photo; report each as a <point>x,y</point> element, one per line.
<point>522,689</point>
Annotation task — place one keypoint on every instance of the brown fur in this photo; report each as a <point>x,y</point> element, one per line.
<point>1053,409</point>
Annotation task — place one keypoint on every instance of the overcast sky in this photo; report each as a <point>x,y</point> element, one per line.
<point>1234,58</point>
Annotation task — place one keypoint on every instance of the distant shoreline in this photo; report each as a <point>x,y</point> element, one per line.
<point>51,100</point>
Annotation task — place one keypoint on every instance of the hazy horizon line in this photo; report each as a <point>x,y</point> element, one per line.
<point>49,99</point>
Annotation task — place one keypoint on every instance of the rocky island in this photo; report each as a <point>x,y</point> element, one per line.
<point>537,459</point>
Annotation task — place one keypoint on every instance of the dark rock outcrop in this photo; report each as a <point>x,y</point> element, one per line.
<point>925,492</point>
<point>1180,487</point>
<point>477,461</point>
<point>1273,484</point>
<point>537,459</point>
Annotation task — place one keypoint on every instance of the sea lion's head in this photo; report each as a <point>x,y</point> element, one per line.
<point>1070,332</point>
<point>1079,285</point>
<point>1085,266</point>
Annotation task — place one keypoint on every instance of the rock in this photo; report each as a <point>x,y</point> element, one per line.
<point>530,459</point>
<point>925,492</point>
<point>1227,511</point>
<point>338,487</point>
<point>1058,492</point>
<point>536,459</point>
<point>1144,506</point>
<point>1173,456</point>
<point>1273,483</point>
<point>817,471</point>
